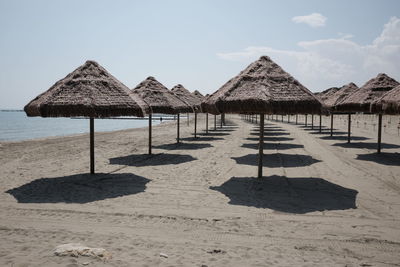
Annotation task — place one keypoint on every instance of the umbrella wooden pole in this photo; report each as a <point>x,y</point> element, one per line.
<point>348,128</point>
<point>215,122</point>
<point>288,118</point>
<point>91,145</point>
<point>379,132</point>
<point>305,123</point>
<point>221,120</point>
<point>256,119</point>
<point>320,122</point>
<point>206,123</point>
<point>331,124</point>
<point>261,147</point>
<point>177,127</point>
<point>195,124</point>
<point>150,134</point>
<point>312,121</point>
<point>297,115</point>
<point>187,119</point>
<point>281,118</point>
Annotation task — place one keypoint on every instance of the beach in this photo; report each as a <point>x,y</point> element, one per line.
<point>321,202</point>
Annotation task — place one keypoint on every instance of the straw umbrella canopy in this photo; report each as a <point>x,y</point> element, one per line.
<point>89,91</point>
<point>263,88</point>
<point>339,95</point>
<point>389,103</point>
<point>361,99</point>
<point>183,94</point>
<point>160,100</point>
<point>198,95</point>
<point>331,100</point>
<point>326,94</point>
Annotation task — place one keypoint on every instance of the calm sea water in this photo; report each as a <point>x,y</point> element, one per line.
<point>16,126</point>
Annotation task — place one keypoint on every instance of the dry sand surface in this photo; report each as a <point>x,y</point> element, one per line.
<point>322,202</point>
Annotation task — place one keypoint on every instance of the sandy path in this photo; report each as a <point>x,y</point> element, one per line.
<point>319,204</point>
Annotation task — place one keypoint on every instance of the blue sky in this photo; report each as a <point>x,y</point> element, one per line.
<point>200,44</point>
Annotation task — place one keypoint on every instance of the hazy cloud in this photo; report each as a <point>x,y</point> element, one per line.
<point>324,63</point>
<point>314,20</point>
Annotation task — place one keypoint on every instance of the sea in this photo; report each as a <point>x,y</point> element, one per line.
<point>16,126</point>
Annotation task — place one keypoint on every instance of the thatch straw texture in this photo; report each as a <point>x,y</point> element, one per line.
<point>389,103</point>
<point>198,95</point>
<point>183,94</point>
<point>159,98</point>
<point>324,95</point>
<point>263,87</point>
<point>339,95</point>
<point>360,100</point>
<point>88,91</point>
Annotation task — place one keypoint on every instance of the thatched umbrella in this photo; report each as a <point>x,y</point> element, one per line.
<point>198,95</point>
<point>189,99</point>
<point>160,100</point>
<point>202,98</point>
<point>263,88</point>
<point>360,100</point>
<point>326,94</point>
<point>389,103</point>
<point>335,98</point>
<point>89,91</point>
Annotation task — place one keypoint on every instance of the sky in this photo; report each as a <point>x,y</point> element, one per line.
<point>200,44</point>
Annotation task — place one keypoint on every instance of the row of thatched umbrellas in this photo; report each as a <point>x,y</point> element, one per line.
<point>380,95</point>
<point>90,91</point>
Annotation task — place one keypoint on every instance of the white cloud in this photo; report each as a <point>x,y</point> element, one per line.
<point>345,35</point>
<point>314,20</point>
<point>320,64</point>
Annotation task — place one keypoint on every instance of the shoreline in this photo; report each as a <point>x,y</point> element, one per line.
<point>80,134</point>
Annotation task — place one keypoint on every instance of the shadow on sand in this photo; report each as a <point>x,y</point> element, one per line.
<point>384,158</point>
<point>278,146</point>
<point>271,139</point>
<point>267,133</point>
<point>367,145</point>
<point>268,130</point>
<point>343,137</point>
<point>291,195</point>
<point>277,160</point>
<point>81,188</point>
<point>184,146</point>
<point>203,138</point>
<point>151,160</point>
<point>213,133</point>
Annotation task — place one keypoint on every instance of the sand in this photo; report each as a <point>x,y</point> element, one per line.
<point>322,202</point>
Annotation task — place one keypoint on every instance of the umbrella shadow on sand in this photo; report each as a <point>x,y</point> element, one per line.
<point>201,138</point>
<point>80,188</point>
<point>343,137</point>
<point>277,160</point>
<point>271,138</point>
<point>291,195</point>
<point>140,160</point>
<point>278,146</point>
<point>213,133</point>
<point>368,145</point>
<point>267,133</point>
<point>384,158</point>
<point>184,146</point>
